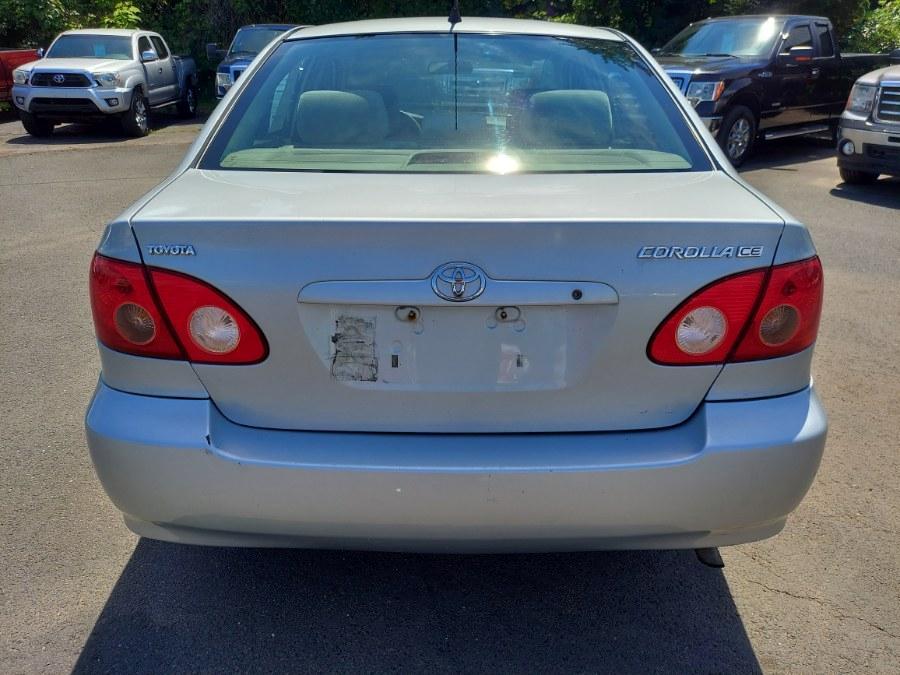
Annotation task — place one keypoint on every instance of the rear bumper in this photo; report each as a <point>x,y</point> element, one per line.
<point>180,471</point>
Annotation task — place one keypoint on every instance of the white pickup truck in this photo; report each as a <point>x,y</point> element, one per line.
<point>97,73</point>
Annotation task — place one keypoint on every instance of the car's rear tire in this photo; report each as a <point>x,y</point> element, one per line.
<point>187,104</point>
<point>738,133</point>
<point>857,177</point>
<point>136,122</point>
<point>35,126</point>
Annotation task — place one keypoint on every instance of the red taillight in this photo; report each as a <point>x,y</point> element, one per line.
<point>211,327</point>
<point>126,315</point>
<point>787,320</point>
<point>754,315</point>
<point>169,315</point>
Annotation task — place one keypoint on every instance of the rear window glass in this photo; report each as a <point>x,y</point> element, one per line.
<point>455,103</point>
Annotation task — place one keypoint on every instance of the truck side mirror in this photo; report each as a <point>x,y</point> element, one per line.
<point>40,52</point>
<point>895,56</point>
<point>796,56</point>
<point>213,53</point>
<point>148,55</point>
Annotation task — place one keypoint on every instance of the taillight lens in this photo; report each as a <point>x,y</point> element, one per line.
<point>787,320</point>
<point>126,315</point>
<point>760,314</point>
<point>729,300</point>
<point>212,328</point>
<point>152,312</point>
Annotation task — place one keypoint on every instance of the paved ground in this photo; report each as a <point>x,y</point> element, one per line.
<point>77,590</point>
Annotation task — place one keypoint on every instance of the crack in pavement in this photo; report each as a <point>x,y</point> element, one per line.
<point>822,602</point>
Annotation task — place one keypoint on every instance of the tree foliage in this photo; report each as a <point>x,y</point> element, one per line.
<point>189,24</point>
<point>879,30</point>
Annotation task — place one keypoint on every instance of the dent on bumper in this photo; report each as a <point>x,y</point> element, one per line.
<point>180,471</point>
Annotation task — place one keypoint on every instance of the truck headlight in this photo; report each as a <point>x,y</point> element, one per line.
<point>861,99</point>
<point>223,80</point>
<point>20,76</point>
<point>704,91</point>
<point>108,79</point>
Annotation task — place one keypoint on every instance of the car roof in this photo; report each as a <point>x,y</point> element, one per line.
<point>123,32</point>
<point>474,24</point>
<point>786,17</point>
<point>272,26</point>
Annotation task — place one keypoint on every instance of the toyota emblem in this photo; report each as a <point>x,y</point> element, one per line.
<point>458,281</point>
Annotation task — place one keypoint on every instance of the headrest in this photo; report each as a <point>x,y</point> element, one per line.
<point>567,118</point>
<point>328,118</point>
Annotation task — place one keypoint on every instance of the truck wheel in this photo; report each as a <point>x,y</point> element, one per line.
<point>737,134</point>
<point>187,105</point>
<point>136,122</point>
<point>857,177</point>
<point>36,126</point>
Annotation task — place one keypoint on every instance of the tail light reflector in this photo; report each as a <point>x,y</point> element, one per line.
<point>760,314</point>
<point>163,314</point>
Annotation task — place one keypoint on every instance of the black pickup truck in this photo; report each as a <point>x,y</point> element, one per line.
<point>763,76</point>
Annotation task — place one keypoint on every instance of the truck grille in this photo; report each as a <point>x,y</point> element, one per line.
<point>889,103</point>
<point>59,80</point>
<point>59,106</point>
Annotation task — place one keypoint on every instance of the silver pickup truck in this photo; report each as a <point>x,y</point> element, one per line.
<point>97,73</point>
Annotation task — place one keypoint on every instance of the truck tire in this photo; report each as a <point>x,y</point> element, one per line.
<point>136,122</point>
<point>35,126</point>
<point>187,104</point>
<point>857,177</point>
<point>738,133</point>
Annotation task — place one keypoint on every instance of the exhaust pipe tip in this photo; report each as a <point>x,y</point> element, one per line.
<point>710,557</point>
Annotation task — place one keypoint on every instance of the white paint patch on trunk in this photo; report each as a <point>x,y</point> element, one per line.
<point>354,350</point>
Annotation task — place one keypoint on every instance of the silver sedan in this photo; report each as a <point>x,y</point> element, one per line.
<point>486,286</point>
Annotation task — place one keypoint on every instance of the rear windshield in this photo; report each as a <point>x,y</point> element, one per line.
<point>91,47</point>
<point>455,103</point>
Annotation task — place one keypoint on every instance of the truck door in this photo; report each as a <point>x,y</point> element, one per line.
<point>153,70</point>
<point>168,78</point>
<point>796,79</point>
<point>829,91</point>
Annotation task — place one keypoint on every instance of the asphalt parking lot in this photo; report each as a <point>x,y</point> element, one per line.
<point>78,591</point>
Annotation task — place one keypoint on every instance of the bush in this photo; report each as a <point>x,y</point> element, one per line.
<point>879,30</point>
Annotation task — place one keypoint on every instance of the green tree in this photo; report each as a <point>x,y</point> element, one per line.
<point>879,29</point>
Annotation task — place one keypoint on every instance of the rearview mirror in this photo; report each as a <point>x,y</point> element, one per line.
<point>796,56</point>
<point>148,55</point>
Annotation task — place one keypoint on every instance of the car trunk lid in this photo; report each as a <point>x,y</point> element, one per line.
<point>566,277</point>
